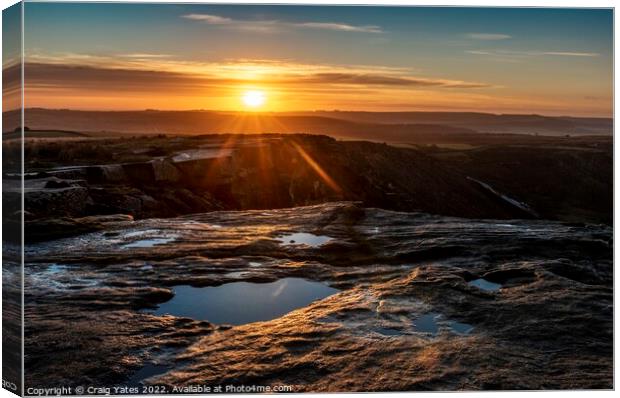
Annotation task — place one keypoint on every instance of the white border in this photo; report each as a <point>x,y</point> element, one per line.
<point>478,3</point>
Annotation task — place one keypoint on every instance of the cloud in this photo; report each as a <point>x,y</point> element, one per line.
<point>218,77</point>
<point>50,76</point>
<point>570,54</point>
<point>340,26</point>
<point>144,55</point>
<point>11,80</point>
<point>521,54</point>
<point>479,52</point>
<point>488,36</point>
<point>275,25</point>
<point>227,67</point>
<point>210,19</point>
<point>263,26</point>
<point>385,80</point>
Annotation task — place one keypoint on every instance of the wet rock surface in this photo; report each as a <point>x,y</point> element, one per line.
<point>407,315</point>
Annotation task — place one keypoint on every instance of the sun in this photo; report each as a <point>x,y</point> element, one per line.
<point>253,98</point>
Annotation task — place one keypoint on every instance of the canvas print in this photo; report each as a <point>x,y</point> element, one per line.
<point>217,198</point>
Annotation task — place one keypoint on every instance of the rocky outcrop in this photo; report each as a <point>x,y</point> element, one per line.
<point>411,314</point>
<point>194,175</point>
<point>165,172</point>
<point>142,190</point>
<point>53,197</point>
<point>113,174</point>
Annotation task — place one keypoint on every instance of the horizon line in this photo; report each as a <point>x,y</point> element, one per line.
<point>306,111</point>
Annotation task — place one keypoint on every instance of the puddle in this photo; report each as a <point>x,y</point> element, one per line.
<point>388,332</point>
<point>427,323</point>
<point>147,371</point>
<point>303,238</point>
<point>239,303</point>
<point>461,328</point>
<point>148,242</point>
<point>485,285</point>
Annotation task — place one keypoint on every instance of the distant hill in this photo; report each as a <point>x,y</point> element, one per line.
<point>206,122</point>
<point>373,126</point>
<point>485,122</point>
<point>45,134</point>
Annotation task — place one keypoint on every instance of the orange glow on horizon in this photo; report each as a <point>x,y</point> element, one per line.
<point>277,86</point>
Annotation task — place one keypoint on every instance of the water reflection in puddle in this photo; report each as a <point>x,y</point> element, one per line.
<point>148,242</point>
<point>388,332</point>
<point>461,328</point>
<point>428,323</point>
<point>485,285</point>
<point>303,238</point>
<point>243,302</point>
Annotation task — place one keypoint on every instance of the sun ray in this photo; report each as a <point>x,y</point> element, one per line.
<point>318,169</point>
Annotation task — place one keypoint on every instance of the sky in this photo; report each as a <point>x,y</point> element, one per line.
<point>175,56</point>
<point>11,50</point>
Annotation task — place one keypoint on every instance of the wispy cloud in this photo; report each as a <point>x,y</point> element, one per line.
<point>386,80</point>
<point>488,36</point>
<point>101,78</point>
<point>340,26</point>
<point>479,52</point>
<point>275,25</point>
<point>210,19</point>
<point>144,74</point>
<point>522,54</point>
<point>570,54</point>
<point>144,55</point>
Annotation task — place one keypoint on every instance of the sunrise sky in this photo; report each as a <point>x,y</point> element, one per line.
<point>138,56</point>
